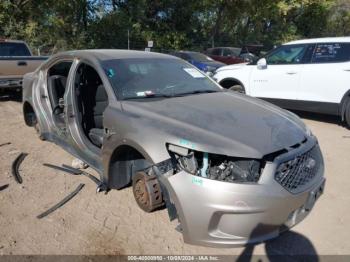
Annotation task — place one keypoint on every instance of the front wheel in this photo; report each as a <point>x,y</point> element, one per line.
<point>147,192</point>
<point>237,88</point>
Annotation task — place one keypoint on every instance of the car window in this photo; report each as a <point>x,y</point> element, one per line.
<point>14,49</point>
<point>331,53</point>
<point>216,51</point>
<point>185,57</point>
<point>308,54</point>
<point>199,57</point>
<point>287,54</point>
<point>227,52</point>
<point>142,78</point>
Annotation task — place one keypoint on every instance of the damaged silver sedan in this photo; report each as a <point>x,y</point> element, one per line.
<point>232,169</point>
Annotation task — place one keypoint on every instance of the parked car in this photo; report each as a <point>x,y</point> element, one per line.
<point>199,60</point>
<point>233,169</point>
<point>235,55</point>
<point>15,61</point>
<point>309,75</point>
<point>227,55</point>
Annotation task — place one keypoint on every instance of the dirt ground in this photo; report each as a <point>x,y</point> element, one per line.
<point>113,224</point>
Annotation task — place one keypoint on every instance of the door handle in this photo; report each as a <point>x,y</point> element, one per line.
<point>21,63</point>
<point>291,73</point>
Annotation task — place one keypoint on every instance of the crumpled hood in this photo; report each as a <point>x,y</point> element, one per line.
<point>222,123</point>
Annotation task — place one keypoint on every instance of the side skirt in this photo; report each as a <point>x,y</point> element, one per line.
<point>310,106</point>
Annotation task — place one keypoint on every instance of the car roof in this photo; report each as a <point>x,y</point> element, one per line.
<point>321,40</point>
<point>109,54</point>
<point>187,52</point>
<point>227,47</point>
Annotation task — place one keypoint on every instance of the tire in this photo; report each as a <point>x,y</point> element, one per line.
<point>237,88</point>
<point>347,114</point>
<point>147,192</point>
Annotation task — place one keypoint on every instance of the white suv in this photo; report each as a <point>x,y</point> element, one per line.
<point>310,75</point>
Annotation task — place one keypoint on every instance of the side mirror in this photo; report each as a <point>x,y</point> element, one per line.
<point>262,63</point>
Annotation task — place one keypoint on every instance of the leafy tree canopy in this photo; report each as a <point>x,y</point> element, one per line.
<point>54,25</point>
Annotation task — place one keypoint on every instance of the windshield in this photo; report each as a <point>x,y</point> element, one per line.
<point>150,77</point>
<point>200,57</point>
<point>13,49</point>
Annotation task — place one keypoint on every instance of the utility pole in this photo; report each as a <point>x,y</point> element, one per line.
<point>128,39</point>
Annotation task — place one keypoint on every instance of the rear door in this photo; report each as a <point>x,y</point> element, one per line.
<point>325,79</point>
<point>281,78</point>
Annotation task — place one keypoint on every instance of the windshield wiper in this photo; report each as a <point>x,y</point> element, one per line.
<point>157,95</point>
<point>197,92</point>
<point>149,96</point>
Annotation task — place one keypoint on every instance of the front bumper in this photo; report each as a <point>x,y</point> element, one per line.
<point>215,213</point>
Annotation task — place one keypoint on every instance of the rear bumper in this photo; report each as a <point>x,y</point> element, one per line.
<point>11,83</point>
<point>222,214</point>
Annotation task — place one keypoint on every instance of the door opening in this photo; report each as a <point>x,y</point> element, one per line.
<point>56,86</point>
<point>92,100</point>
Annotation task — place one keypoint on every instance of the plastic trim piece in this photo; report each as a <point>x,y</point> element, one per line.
<point>62,202</point>
<point>15,166</point>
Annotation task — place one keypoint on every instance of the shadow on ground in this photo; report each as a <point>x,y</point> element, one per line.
<point>289,246</point>
<point>9,95</point>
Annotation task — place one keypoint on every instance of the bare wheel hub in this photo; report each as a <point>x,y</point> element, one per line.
<point>147,191</point>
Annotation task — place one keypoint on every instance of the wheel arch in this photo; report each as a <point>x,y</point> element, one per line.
<point>29,115</point>
<point>125,160</point>
<point>227,82</point>
<point>343,104</point>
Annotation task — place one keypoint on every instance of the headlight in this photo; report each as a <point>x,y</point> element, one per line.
<point>216,167</point>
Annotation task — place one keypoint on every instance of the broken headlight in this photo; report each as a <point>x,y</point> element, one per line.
<point>232,170</point>
<point>216,167</point>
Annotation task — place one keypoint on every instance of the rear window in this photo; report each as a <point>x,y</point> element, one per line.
<point>14,49</point>
<point>331,53</point>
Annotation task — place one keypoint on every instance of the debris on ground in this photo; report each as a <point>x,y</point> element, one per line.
<point>71,170</point>
<point>62,202</point>
<point>15,167</point>
<point>4,187</point>
<point>79,164</point>
<point>5,144</point>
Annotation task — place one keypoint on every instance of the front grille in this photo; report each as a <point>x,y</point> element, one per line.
<point>299,171</point>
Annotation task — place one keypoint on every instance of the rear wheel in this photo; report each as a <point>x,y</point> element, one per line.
<point>147,192</point>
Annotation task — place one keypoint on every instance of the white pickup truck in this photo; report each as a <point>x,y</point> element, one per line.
<point>310,75</point>
<point>16,60</point>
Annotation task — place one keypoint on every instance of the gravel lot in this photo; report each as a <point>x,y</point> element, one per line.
<point>113,224</point>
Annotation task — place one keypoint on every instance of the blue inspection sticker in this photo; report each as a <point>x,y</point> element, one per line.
<point>197,181</point>
<point>186,143</point>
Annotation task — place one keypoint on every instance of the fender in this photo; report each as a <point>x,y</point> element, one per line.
<point>343,104</point>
